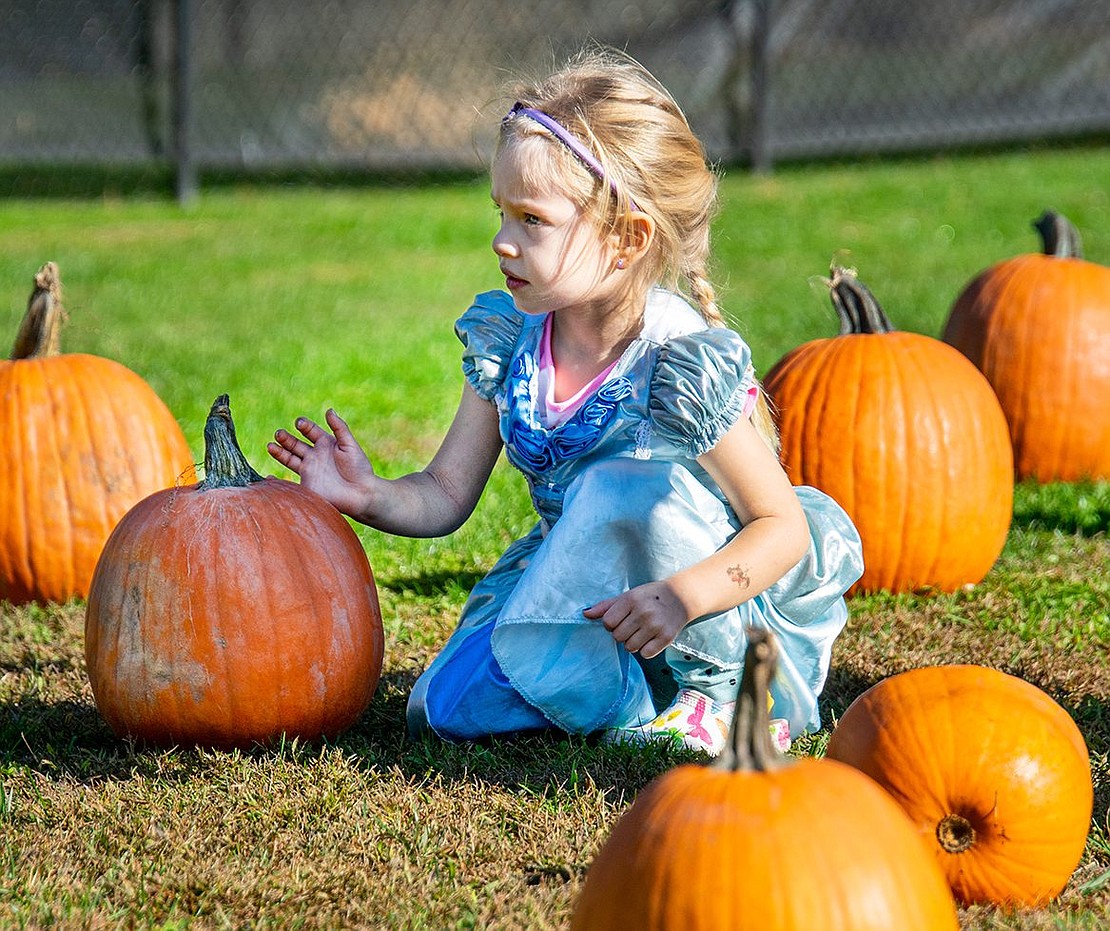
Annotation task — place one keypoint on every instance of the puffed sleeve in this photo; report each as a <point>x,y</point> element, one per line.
<point>703,383</point>
<point>488,331</point>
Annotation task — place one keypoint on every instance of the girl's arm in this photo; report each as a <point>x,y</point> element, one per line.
<point>429,503</point>
<point>774,536</point>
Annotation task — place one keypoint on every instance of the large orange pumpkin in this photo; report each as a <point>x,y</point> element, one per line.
<point>86,438</point>
<point>907,435</point>
<point>232,611</point>
<point>993,772</point>
<point>1038,326</point>
<point>757,842</point>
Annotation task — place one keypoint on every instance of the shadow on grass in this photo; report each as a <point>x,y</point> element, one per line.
<point>1093,717</point>
<point>541,762</point>
<point>432,584</point>
<point>842,687</point>
<point>68,740</point>
<point>62,739</point>
<point>1070,507</point>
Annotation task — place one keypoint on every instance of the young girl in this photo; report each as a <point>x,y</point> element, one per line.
<point>666,523</point>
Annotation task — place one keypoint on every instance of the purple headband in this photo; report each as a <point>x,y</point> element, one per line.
<point>572,142</point>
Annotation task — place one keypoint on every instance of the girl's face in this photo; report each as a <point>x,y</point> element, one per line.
<point>549,249</point>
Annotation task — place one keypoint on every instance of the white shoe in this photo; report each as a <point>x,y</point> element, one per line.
<point>780,734</point>
<point>692,720</point>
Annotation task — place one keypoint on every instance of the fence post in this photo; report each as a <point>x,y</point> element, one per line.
<point>153,129</point>
<point>186,185</point>
<point>761,86</point>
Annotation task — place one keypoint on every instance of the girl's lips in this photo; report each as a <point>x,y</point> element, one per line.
<point>512,282</point>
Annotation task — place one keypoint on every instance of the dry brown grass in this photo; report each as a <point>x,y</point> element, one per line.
<point>379,832</point>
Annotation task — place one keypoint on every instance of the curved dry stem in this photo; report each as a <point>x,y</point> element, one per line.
<point>225,466</point>
<point>39,334</point>
<point>750,747</point>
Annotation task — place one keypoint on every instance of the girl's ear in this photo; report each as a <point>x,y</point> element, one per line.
<point>637,239</point>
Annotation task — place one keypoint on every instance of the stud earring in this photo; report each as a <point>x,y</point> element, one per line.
<point>620,263</point>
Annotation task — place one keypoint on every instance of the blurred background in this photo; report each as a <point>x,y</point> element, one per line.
<point>396,86</point>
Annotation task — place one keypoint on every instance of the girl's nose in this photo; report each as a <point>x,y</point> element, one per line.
<point>502,246</point>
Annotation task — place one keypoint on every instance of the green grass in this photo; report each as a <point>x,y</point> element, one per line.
<point>292,299</point>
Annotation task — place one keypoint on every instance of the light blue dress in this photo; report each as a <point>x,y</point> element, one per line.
<point>621,501</point>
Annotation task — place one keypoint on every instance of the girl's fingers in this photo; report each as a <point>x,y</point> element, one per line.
<point>596,611</point>
<point>311,430</point>
<point>291,444</point>
<point>636,642</point>
<point>639,636</point>
<point>623,631</point>
<point>338,425</point>
<point>285,457</point>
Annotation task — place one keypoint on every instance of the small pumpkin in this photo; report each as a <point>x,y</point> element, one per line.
<point>758,842</point>
<point>67,477</point>
<point>233,611</point>
<point>907,436</point>
<point>993,772</point>
<point>1038,327</point>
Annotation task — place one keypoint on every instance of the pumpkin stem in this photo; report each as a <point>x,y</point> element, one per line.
<point>225,466</point>
<point>955,833</point>
<point>749,747</point>
<point>1060,238</point>
<point>39,334</point>
<point>856,306</point>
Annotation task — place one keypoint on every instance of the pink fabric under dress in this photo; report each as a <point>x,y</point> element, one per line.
<point>558,411</point>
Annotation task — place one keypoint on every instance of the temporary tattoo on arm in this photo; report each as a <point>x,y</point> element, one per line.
<point>739,576</point>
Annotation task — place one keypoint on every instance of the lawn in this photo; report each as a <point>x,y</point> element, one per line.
<point>295,298</point>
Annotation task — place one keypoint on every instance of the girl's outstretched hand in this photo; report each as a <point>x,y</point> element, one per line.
<point>331,464</point>
<point>646,619</point>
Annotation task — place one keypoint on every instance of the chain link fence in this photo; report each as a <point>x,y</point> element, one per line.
<point>395,85</point>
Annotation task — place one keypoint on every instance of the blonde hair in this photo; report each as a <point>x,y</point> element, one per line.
<point>651,158</point>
